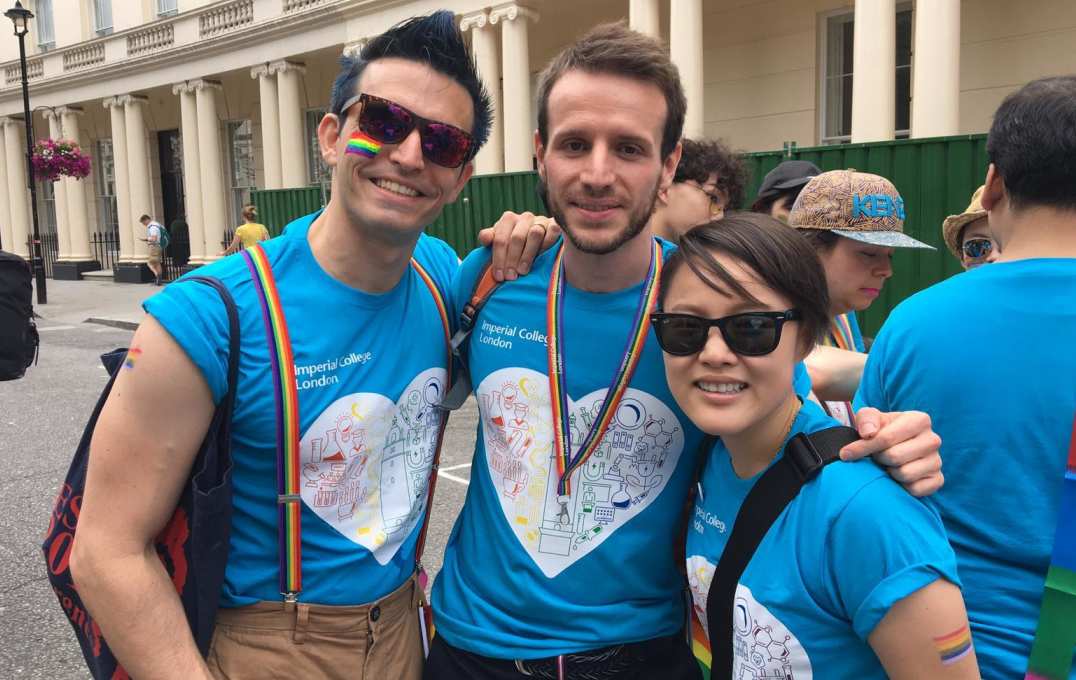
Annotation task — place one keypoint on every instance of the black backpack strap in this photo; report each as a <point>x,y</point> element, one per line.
<point>484,287</point>
<point>804,457</point>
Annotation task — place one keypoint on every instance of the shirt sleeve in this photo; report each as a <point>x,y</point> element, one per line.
<point>194,315</point>
<point>882,547</point>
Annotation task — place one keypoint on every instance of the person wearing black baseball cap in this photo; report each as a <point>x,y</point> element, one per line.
<point>781,186</point>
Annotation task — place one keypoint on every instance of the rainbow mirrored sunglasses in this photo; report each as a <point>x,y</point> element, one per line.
<point>385,122</point>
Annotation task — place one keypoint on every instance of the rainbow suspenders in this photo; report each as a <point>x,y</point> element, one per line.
<point>286,401</point>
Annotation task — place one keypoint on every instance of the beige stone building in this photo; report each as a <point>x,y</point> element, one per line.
<point>188,105</point>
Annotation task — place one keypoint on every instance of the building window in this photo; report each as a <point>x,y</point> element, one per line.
<point>836,113</point>
<point>46,206</point>
<point>46,33</point>
<point>102,16</point>
<point>315,165</point>
<point>167,8</point>
<point>241,147</point>
<point>105,177</point>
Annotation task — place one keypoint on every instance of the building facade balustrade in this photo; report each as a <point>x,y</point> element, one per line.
<point>84,57</point>
<point>35,68</point>
<point>226,18</point>
<point>299,5</point>
<point>151,40</point>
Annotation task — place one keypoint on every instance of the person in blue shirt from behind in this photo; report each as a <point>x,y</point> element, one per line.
<point>990,355</point>
<point>855,578</point>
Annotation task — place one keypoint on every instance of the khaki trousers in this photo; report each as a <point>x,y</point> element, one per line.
<point>377,641</point>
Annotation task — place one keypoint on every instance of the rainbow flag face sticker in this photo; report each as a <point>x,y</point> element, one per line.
<point>363,145</point>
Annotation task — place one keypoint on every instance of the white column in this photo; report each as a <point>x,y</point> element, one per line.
<point>874,75</point>
<point>214,206</point>
<point>138,172</point>
<point>484,46</point>
<point>685,49</point>
<point>292,129</point>
<point>936,69</point>
<point>77,219</point>
<point>516,71</point>
<point>645,16</point>
<point>5,204</point>
<point>192,171</point>
<point>123,185</point>
<point>59,191</point>
<point>18,190</point>
<point>270,110</point>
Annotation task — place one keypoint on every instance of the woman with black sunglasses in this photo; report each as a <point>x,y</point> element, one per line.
<point>855,578</point>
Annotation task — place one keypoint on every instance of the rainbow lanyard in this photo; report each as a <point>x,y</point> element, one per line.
<point>840,333</point>
<point>558,390</point>
<point>286,400</point>
<point>1055,638</point>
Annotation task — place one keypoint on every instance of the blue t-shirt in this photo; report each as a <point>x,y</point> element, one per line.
<point>522,577</point>
<point>367,421</point>
<point>843,551</point>
<point>989,355</point>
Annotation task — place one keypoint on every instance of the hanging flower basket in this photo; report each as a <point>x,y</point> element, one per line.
<point>55,158</point>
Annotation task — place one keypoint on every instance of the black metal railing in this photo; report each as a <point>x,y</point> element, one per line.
<point>106,248</point>
<point>50,250</point>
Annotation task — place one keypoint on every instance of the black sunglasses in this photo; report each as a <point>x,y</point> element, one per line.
<point>389,123</point>
<point>751,334</point>
<point>977,248</point>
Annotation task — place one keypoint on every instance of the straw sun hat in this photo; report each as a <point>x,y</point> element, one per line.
<point>954,223</point>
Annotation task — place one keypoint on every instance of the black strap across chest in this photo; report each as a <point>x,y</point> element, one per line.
<point>804,456</point>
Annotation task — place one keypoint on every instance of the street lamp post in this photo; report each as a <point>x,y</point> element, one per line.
<point>21,16</point>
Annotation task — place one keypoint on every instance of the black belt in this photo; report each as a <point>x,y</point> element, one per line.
<point>595,664</point>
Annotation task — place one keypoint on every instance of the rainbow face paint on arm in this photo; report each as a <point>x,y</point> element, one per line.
<point>954,646</point>
<point>362,144</point>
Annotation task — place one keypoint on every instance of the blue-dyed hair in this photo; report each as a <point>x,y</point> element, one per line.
<point>432,40</point>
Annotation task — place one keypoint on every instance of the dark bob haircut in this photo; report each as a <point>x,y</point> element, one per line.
<point>432,40</point>
<point>1032,143</point>
<point>781,258</point>
<point>615,49</point>
<point>703,157</point>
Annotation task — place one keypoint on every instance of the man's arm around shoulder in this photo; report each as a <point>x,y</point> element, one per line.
<point>141,455</point>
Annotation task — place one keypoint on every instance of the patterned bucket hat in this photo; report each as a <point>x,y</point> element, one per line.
<point>954,223</point>
<point>856,205</point>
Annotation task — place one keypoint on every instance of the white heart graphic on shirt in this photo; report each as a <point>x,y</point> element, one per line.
<point>366,463</point>
<point>630,468</point>
<point>762,646</point>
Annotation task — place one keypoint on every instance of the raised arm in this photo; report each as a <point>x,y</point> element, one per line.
<point>141,454</point>
<point>835,372</point>
<point>926,635</point>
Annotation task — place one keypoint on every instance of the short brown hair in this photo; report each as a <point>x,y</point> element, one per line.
<point>782,259</point>
<point>617,50</point>
<point>250,212</point>
<point>703,157</point>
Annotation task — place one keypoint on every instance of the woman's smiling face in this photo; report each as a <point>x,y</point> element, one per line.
<point>722,392</point>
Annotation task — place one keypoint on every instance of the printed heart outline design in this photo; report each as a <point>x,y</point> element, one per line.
<point>621,479</point>
<point>365,463</point>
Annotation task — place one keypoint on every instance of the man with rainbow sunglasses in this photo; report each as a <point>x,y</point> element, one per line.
<point>363,296</point>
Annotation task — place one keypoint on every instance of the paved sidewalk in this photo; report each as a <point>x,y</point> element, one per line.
<point>105,302</point>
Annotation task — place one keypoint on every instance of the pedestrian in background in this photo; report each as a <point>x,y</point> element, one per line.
<point>248,233</point>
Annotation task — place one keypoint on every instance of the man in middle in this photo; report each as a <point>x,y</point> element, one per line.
<point>562,563</point>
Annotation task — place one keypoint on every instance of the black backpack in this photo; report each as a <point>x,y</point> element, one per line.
<point>18,334</point>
